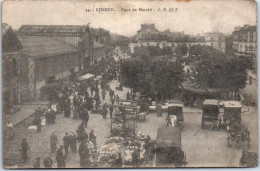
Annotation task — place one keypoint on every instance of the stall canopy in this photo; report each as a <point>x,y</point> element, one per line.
<point>86,76</point>
<point>168,137</point>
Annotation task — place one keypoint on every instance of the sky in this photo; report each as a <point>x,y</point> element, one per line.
<point>192,17</point>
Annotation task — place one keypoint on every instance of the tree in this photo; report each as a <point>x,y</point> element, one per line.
<point>132,71</point>
<point>167,76</point>
<point>181,50</point>
<point>216,70</point>
<point>196,50</point>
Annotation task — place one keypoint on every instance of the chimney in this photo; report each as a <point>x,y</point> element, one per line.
<point>246,26</point>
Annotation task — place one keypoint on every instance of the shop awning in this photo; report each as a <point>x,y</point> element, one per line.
<point>86,76</point>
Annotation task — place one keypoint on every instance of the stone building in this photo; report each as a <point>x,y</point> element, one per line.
<point>44,61</point>
<point>216,40</point>
<point>245,39</point>
<point>86,39</point>
<point>75,35</point>
<point>11,55</point>
<point>148,35</point>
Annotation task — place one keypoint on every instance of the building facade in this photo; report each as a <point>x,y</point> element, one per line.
<point>44,61</point>
<point>245,39</point>
<point>216,40</point>
<point>11,56</point>
<point>148,35</point>
<point>74,35</point>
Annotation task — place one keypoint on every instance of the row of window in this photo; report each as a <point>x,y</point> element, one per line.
<point>158,44</point>
<point>244,37</point>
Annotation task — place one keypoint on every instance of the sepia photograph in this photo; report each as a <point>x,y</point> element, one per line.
<point>129,84</point>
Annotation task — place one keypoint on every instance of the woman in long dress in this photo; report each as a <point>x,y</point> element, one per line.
<point>9,131</point>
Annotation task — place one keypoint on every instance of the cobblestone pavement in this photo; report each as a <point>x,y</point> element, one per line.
<point>40,142</point>
<point>208,147</point>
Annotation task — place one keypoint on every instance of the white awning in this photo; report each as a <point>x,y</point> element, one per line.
<point>86,76</point>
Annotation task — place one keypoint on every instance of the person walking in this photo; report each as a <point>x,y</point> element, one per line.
<point>103,94</point>
<point>119,161</point>
<point>61,158</point>
<point>92,138</point>
<point>117,97</point>
<point>67,108</point>
<point>47,162</point>
<point>104,113</point>
<point>24,149</point>
<point>97,105</point>
<point>9,130</point>
<point>39,124</point>
<point>135,157</point>
<point>159,110</point>
<point>53,142</point>
<point>81,132</point>
<point>84,158</point>
<point>92,90</point>
<point>111,109</point>
<point>73,142</point>
<point>85,118</point>
<point>74,106</point>
<point>66,143</point>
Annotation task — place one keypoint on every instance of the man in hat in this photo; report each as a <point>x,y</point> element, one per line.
<point>103,94</point>
<point>80,132</point>
<point>85,117</point>
<point>61,159</point>
<point>111,109</point>
<point>119,161</point>
<point>39,124</point>
<point>159,110</point>
<point>92,138</point>
<point>47,162</point>
<point>66,142</point>
<point>24,149</point>
<point>104,112</point>
<point>73,142</point>
<point>53,142</point>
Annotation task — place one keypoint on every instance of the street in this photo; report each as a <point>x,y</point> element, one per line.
<point>207,147</point>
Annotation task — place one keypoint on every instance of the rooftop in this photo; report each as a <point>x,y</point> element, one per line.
<point>211,102</point>
<point>52,29</point>
<point>246,28</point>
<point>232,104</point>
<point>42,46</point>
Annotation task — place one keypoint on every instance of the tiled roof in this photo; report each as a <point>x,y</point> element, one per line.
<point>246,29</point>
<point>41,46</point>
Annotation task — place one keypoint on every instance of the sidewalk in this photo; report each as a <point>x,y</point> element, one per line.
<point>25,111</point>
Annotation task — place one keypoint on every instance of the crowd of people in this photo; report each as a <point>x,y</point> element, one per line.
<point>76,99</point>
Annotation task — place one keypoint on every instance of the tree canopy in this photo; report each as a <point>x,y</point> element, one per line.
<point>167,76</point>
<point>132,70</point>
<point>216,70</point>
<point>181,50</point>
